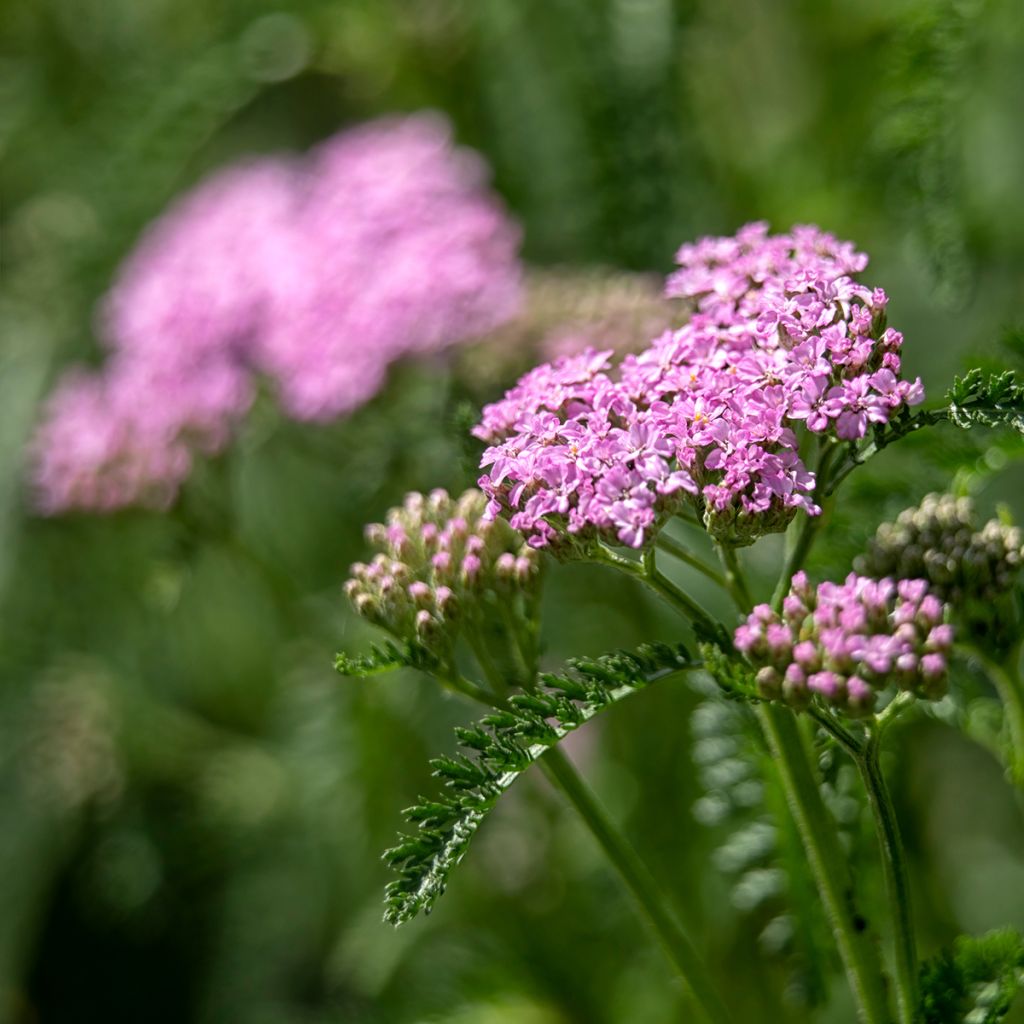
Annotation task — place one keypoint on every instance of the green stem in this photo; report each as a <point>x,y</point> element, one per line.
<point>626,861</point>
<point>1006,678</point>
<point>865,755</point>
<point>636,876</point>
<point>827,861</point>
<point>460,684</point>
<point>673,548</point>
<point>735,579</point>
<point>648,573</point>
<point>813,821</point>
<point>897,881</point>
<point>660,583</point>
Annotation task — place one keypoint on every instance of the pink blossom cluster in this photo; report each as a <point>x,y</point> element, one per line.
<point>782,337</point>
<point>845,642</point>
<point>437,558</point>
<point>315,273</point>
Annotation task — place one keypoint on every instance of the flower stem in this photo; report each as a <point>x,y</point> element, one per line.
<point>649,574</point>
<point>734,577</point>
<point>673,548</point>
<point>812,818</point>
<point>897,882</point>
<point>814,823</point>
<point>865,754</point>
<point>827,862</point>
<point>1006,678</point>
<point>622,856</point>
<point>636,876</point>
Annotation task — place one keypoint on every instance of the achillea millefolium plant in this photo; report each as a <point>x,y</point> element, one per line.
<point>780,379</point>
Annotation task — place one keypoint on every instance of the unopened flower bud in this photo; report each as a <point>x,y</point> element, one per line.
<point>769,682</point>
<point>794,687</point>
<point>506,564</point>
<point>376,533</point>
<point>862,636</point>
<point>525,568</point>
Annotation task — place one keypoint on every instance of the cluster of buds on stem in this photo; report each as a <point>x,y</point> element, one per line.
<point>847,642</point>
<point>443,569</point>
<point>939,541</point>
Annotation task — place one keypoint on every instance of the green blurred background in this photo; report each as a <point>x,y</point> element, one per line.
<point>192,804</point>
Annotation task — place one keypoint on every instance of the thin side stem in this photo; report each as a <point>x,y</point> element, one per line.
<point>673,548</point>
<point>636,876</point>
<point>649,574</point>
<point>846,739</point>
<point>624,859</point>
<point>460,684</point>
<point>659,582</point>
<point>897,881</point>
<point>1006,678</point>
<point>734,577</point>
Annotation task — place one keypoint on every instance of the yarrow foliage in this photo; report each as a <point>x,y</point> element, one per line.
<point>782,337</point>
<point>316,273</point>
<point>495,752</point>
<point>847,642</point>
<point>439,561</point>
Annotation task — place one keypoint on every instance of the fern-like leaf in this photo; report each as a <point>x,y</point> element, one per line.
<point>495,752</point>
<point>975,982</point>
<point>987,400</point>
<point>386,657</point>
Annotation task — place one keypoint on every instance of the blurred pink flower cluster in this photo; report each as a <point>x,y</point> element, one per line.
<point>316,273</point>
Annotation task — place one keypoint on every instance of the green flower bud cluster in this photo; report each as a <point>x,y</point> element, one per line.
<point>443,568</point>
<point>939,541</point>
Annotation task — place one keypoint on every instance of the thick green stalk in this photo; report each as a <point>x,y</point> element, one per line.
<point>827,861</point>
<point>814,822</point>
<point>636,876</point>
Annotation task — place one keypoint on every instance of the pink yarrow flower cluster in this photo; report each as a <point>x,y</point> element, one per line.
<point>782,337</point>
<point>316,273</point>
<point>846,642</point>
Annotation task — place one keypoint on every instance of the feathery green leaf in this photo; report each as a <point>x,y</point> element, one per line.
<point>384,658</point>
<point>987,400</point>
<point>496,751</point>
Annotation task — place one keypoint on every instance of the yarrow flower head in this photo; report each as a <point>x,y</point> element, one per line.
<point>708,413</point>
<point>846,642</point>
<point>316,273</point>
<point>440,564</point>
